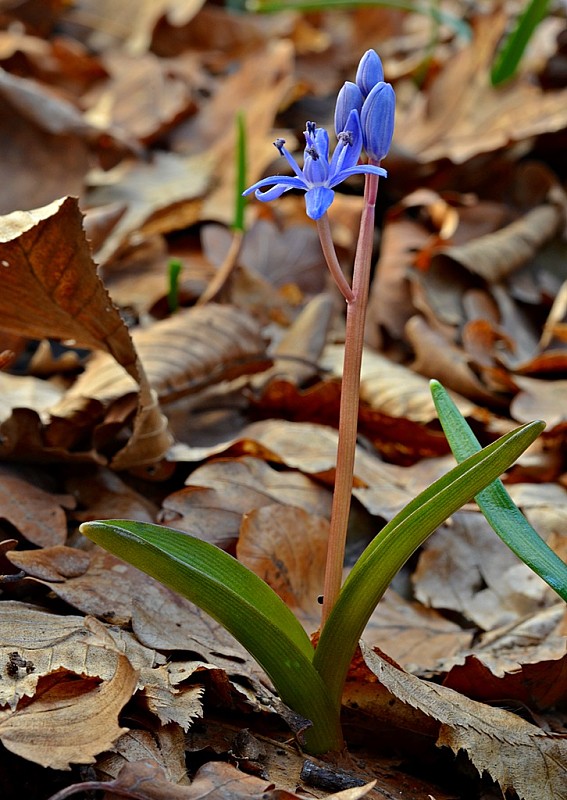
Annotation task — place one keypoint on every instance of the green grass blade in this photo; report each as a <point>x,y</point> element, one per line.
<point>239,200</point>
<point>396,542</point>
<point>173,273</point>
<point>507,60</point>
<point>500,511</point>
<point>241,602</point>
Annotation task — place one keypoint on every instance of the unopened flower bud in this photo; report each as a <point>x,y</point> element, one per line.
<point>369,72</point>
<point>377,120</point>
<point>349,98</point>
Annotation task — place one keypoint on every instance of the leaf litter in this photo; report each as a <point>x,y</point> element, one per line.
<point>220,419</point>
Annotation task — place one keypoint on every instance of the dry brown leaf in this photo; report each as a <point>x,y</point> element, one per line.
<point>467,568</point>
<point>415,636</point>
<point>286,547</point>
<point>162,195</point>
<point>101,494</point>
<point>37,514</point>
<point>180,355</point>
<point>312,449</point>
<point>47,643</point>
<point>462,115</point>
<point>47,267</point>
<point>142,97</point>
<point>165,745</point>
<point>133,23</point>
<point>220,492</point>
<point>71,722</point>
<point>259,86</point>
<point>538,399</point>
<point>515,753</point>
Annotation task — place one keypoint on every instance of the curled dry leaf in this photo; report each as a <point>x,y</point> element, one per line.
<point>463,115</point>
<point>466,568</point>
<point>47,267</point>
<point>84,646</point>
<point>180,355</point>
<point>516,754</point>
<point>71,722</point>
<point>38,515</point>
<point>165,745</point>
<point>286,547</point>
<point>219,493</point>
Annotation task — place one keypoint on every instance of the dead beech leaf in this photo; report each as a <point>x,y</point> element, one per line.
<point>165,745</point>
<point>84,646</point>
<point>47,267</point>
<point>71,722</point>
<point>286,546</point>
<point>515,753</point>
<point>465,567</point>
<point>34,512</point>
<point>539,399</point>
<point>162,195</point>
<point>220,492</point>
<point>180,355</point>
<point>462,115</point>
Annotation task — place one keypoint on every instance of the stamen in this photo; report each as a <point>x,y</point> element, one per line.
<point>311,128</point>
<point>279,143</point>
<point>346,137</point>
<point>312,151</point>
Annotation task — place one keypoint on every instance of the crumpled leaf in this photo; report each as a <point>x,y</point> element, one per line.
<point>47,267</point>
<point>515,753</point>
<point>462,115</point>
<point>83,646</point>
<point>220,492</point>
<point>37,514</point>
<point>71,722</point>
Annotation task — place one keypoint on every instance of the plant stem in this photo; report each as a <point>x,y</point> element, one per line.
<point>324,230</point>
<point>350,391</point>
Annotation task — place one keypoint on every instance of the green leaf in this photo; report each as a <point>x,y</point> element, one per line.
<point>174,270</point>
<point>396,542</point>
<point>241,602</point>
<point>240,200</point>
<point>501,512</point>
<point>507,60</point>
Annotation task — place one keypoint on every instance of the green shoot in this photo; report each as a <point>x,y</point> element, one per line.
<point>501,512</point>
<point>507,60</point>
<point>173,273</point>
<point>240,200</point>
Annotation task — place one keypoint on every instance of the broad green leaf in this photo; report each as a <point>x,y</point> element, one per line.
<point>501,512</point>
<point>241,602</point>
<point>396,542</point>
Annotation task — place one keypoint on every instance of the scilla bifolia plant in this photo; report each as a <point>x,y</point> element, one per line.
<point>310,680</point>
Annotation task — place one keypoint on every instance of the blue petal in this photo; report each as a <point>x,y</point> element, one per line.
<point>322,143</point>
<point>369,72</point>
<point>317,201</point>
<point>361,169</point>
<point>280,180</point>
<point>347,155</point>
<point>377,120</point>
<point>348,98</point>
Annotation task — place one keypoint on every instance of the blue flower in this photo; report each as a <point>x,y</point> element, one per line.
<point>319,176</point>
<point>369,72</point>
<point>377,120</point>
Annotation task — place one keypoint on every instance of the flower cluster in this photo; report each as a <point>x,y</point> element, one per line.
<point>364,116</point>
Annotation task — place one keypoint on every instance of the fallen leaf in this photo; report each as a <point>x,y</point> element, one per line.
<point>71,722</point>
<point>37,514</point>
<point>518,755</point>
<point>220,492</point>
<point>467,568</point>
<point>286,547</point>
<point>165,745</point>
<point>47,266</point>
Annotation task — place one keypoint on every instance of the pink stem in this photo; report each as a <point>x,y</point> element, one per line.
<point>324,230</point>
<point>350,393</point>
